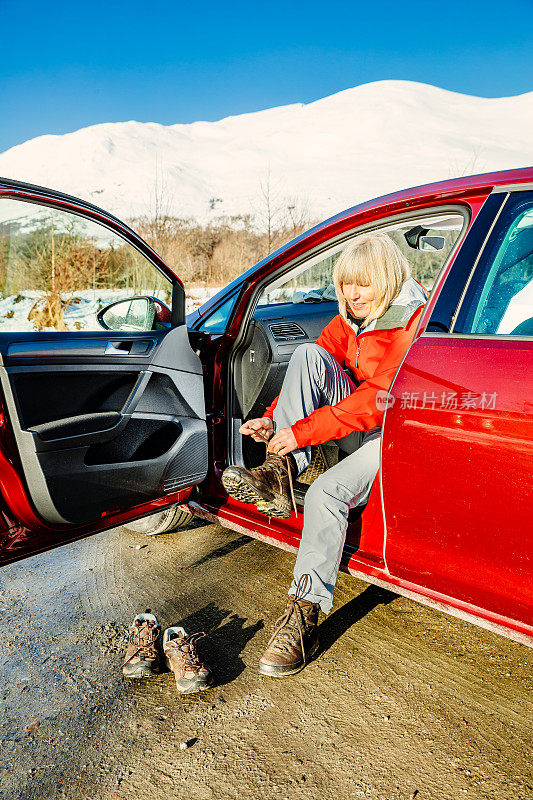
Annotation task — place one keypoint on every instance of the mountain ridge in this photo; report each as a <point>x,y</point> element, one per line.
<point>321,156</point>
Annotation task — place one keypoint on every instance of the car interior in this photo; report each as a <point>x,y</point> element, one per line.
<point>294,308</point>
<point>109,416</point>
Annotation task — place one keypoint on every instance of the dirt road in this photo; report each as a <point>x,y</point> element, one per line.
<point>402,702</point>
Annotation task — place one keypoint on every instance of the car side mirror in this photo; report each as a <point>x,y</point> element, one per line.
<point>135,314</point>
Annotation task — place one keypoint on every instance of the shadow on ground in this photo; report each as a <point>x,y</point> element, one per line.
<point>227,636</point>
<point>340,621</point>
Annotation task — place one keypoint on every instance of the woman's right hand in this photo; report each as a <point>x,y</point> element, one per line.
<point>258,429</point>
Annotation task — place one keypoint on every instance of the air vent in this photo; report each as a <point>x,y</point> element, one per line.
<point>287,330</point>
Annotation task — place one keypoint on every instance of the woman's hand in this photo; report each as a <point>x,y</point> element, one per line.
<point>258,429</point>
<point>283,442</point>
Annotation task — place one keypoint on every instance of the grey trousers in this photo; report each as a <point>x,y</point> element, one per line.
<point>315,378</point>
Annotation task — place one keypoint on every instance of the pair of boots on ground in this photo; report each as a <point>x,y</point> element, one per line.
<point>147,649</point>
<point>293,643</point>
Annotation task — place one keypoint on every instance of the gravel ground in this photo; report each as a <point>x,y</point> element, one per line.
<point>402,701</point>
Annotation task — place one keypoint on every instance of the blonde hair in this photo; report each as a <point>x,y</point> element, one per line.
<point>373,259</point>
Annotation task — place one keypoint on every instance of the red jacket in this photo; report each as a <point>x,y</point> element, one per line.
<point>373,356</point>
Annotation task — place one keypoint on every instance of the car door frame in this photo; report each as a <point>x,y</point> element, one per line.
<point>214,503</point>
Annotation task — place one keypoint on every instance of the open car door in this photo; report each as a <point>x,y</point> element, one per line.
<point>98,425</point>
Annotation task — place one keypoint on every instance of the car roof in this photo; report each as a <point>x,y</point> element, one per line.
<point>487,180</point>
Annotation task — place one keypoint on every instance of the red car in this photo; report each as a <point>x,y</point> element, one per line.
<point>139,414</point>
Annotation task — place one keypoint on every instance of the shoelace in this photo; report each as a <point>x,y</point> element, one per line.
<point>273,465</point>
<point>187,648</point>
<point>293,610</point>
<point>145,646</point>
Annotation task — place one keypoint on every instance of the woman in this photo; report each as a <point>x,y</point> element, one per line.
<point>379,309</point>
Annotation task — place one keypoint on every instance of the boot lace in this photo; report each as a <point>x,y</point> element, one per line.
<point>291,626</point>
<point>280,466</point>
<point>145,643</point>
<point>188,652</point>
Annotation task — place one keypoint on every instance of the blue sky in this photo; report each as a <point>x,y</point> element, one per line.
<point>68,65</point>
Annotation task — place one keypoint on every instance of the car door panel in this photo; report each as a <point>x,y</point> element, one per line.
<point>98,429</point>
<point>458,526</point>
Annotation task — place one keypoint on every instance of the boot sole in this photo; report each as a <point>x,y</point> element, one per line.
<point>140,671</point>
<point>196,687</point>
<point>237,487</point>
<point>286,672</point>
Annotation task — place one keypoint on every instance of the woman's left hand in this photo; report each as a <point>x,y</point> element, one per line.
<point>283,442</point>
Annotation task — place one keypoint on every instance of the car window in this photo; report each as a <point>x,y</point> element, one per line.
<point>436,234</point>
<point>58,270</point>
<point>500,298</point>
<point>312,282</point>
<point>217,321</point>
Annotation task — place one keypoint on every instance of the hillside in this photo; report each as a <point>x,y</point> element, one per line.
<point>323,156</point>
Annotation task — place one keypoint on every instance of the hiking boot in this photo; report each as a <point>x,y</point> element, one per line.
<point>180,653</point>
<point>295,640</point>
<point>142,655</point>
<point>268,487</point>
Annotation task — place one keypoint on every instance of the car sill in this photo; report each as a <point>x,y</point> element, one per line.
<point>511,629</point>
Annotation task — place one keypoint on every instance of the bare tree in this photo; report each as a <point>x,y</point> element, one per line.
<point>270,211</point>
<point>220,250</point>
<point>469,166</point>
<point>298,217</point>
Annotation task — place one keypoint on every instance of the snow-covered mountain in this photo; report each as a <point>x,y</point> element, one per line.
<point>328,155</point>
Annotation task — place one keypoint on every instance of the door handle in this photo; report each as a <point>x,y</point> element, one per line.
<point>117,348</point>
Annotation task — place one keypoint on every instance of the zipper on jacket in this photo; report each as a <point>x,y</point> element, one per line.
<point>358,349</point>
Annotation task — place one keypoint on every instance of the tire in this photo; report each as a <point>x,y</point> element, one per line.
<point>170,519</point>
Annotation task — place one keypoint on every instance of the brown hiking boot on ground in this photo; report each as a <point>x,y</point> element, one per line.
<point>295,640</point>
<point>142,655</point>
<point>268,487</point>
<point>181,657</point>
